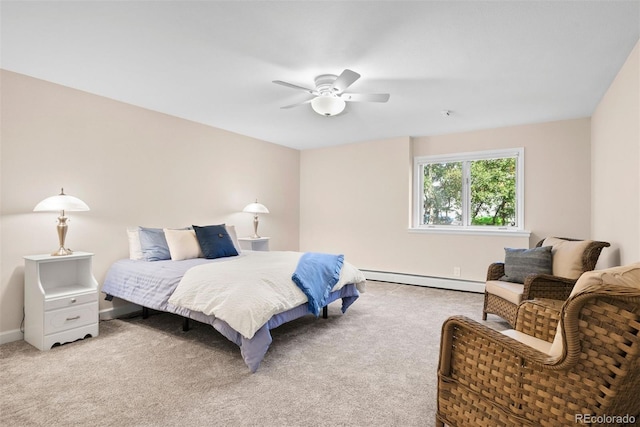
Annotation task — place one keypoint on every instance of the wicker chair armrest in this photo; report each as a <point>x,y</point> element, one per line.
<point>591,255</point>
<point>547,286</point>
<point>495,271</point>
<point>486,349</point>
<point>539,318</point>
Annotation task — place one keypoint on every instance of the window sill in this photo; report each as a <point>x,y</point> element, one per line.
<point>471,231</point>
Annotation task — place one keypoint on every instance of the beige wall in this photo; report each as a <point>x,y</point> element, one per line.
<point>615,145</point>
<point>356,199</point>
<point>132,167</point>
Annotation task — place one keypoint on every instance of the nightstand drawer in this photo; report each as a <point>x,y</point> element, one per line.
<point>70,301</point>
<point>68,318</point>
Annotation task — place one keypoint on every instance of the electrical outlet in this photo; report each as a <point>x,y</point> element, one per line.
<point>456,271</point>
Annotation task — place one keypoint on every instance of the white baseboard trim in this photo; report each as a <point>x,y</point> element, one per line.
<point>10,336</point>
<point>432,282</point>
<point>115,312</point>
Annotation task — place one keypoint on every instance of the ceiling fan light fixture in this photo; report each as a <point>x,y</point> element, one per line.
<point>328,105</point>
<point>330,98</point>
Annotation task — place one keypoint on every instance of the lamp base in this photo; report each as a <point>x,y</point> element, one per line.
<point>255,227</point>
<point>62,252</point>
<point>62,233</point>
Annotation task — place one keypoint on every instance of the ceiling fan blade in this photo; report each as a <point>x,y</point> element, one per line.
<point>298,103</point>
<point>280,82</point>
<point>365,97</point>
<point>344,80</point>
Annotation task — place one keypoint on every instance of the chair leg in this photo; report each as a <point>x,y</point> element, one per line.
<point>484,307</point>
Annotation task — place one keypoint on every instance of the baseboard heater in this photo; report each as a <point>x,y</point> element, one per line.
<point>428,281</point>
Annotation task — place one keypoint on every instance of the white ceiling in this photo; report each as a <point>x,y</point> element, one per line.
<point>492,63</point>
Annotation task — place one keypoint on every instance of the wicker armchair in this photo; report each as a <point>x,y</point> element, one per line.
<point>487,378</point>
<point>503,298</point>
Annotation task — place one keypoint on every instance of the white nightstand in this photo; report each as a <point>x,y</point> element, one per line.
<point>60,299</point>
<point>254,244</point>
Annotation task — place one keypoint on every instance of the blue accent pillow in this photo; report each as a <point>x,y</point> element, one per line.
<point>153,244</point>
<point>215,241</point>
<point>520,263</point>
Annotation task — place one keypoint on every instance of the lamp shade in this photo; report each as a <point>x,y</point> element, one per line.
<point>328,105</point>
<point>255,208</point>
<point>61,202</point>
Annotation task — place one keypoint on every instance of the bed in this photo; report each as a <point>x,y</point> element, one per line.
<point>243,297</point>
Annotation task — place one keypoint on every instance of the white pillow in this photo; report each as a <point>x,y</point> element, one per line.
<point>567,256</point>
<point>135,250</point>
<point>231,229</point>
<point>183,244</point>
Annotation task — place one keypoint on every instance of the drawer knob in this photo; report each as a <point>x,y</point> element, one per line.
<point>73,318</point>
<point>73,300</point>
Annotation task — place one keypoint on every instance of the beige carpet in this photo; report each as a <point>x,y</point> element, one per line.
<point>375,365</point>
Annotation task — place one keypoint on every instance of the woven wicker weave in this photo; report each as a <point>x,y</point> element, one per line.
<point>488,379</point>
<point>539,318</point>
<point>538,286</point>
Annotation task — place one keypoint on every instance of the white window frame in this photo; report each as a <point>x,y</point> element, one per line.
<point>418,206</point>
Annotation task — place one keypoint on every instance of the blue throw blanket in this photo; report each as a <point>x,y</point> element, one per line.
<point>316,274</point>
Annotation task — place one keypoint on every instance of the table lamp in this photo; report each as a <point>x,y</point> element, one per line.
<point>61,203</point>
<point>255,208</point>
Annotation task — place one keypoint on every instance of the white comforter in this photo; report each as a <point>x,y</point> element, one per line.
<point>247,290</point>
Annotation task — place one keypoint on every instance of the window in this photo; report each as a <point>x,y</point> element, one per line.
<point>470,191</point>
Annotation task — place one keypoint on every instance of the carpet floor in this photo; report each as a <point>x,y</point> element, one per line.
<point>373,366</point>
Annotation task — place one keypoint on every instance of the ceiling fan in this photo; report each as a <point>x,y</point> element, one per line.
<point>329,96</point>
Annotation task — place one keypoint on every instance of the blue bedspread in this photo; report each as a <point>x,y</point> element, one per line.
<point>316,274</point>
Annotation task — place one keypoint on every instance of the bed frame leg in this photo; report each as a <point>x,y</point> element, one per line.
<point>325,312</point>
<point>145,312</point>
<point>185,324</point>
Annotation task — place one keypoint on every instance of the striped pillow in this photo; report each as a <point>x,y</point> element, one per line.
<point>520,263</point>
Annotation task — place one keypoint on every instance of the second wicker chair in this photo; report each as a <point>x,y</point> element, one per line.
<point>502,298</point>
